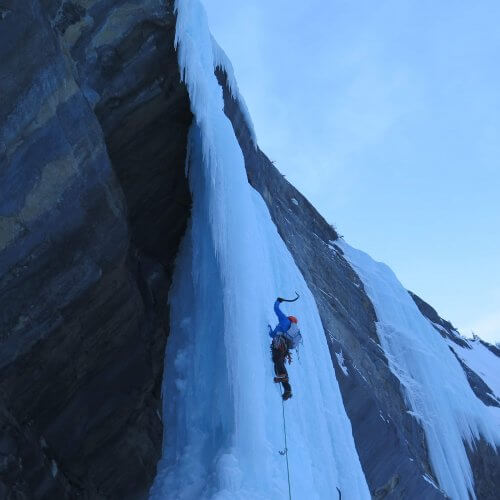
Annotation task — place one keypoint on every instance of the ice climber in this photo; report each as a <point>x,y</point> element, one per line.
<point>285,336</point>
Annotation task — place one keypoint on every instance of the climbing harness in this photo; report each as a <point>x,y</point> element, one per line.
<point>285,451</point>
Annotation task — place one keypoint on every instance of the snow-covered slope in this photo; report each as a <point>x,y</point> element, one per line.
<point>483,362</point>
<point>223,418</point>
<point>436,386</point>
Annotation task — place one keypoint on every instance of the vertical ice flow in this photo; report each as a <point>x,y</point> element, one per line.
<point>436,388</point>
<point>222,412</point>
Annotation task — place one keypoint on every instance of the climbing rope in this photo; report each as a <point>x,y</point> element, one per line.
<point>285,451</point>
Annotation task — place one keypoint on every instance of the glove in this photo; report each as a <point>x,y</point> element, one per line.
<point>279,299</point>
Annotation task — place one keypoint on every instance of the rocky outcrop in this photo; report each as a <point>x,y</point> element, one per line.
<point>93,203</point>
<point>485,464</point>
<point>493,348</point>
<point>443,327</point>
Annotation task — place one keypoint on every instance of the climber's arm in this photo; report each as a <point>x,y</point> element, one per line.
<point>278,311</point>
<point>272,333</point>
<point>284,322</point>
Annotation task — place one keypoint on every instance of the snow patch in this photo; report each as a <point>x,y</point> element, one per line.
<point>439,327</point>
<point>430,481</point>
<point>340,359</point>
<point>482,361</point>
<point>295,202</point>
<point>383,418</point>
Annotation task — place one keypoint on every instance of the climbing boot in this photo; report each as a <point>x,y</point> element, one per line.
<point>287,395</point>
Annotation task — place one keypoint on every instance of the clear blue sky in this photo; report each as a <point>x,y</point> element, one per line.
<point>386,115</point>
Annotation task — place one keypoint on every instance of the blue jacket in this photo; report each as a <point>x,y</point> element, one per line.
<point>283,325</point>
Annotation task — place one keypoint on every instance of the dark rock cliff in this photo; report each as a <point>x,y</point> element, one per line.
<point>93,203</point>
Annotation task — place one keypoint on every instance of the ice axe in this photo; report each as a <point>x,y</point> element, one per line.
<point>281,299</point>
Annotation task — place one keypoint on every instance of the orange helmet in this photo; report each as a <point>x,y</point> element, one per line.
<point>293,319</point>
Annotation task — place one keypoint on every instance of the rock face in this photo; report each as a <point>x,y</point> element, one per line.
<point>93,203</point>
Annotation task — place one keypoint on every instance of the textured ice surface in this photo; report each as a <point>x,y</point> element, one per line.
<point>223,426</point>
<point>436,388</point>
